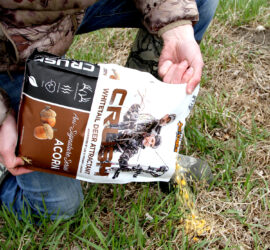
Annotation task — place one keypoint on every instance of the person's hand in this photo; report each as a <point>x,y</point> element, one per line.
<point>181,59</point>
<point>8,142</point>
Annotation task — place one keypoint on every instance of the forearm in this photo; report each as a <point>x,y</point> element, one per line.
<point>180,33</point>
<point>5,105</point>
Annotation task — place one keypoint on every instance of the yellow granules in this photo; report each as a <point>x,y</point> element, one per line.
<point>27,160</point>
<point>194,225</point>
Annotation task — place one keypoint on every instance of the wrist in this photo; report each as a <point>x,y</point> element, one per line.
<point>182,32</point>
<point>5,106</point>
<point>172,26</point>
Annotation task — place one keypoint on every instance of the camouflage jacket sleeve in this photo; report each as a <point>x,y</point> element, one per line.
<point>159,13</point>
<point>47,25</point>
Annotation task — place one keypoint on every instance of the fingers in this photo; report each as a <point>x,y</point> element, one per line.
<point>163,69</point>
<point>195,79</point>
<point>8,141</point>
<point>188,75</point>
<point>14,165</point>
<point>19,171</point>
<point>10,160</point>
<point>176,72</point>
<point>182,73</point>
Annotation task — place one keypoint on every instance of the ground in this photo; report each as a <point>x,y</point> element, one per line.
<point>229,127</point>
<point>230,124</point>
<point>240,82</point>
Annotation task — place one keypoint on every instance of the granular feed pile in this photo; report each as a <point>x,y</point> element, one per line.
<point>193,223</point>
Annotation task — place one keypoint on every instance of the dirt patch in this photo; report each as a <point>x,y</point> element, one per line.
<point>239,77</point>
<point>243,68</point>
<point>254,36</point>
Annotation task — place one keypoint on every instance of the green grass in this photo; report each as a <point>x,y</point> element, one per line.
<point>244,12</point>
<point>236,147</point>
<point>89,229</point>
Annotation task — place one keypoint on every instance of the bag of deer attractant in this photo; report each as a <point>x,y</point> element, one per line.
<point>100,123</point>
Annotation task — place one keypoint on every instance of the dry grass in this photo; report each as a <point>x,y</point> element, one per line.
<point>240,77</point>
<point>237,75</point>
<point>236,92</point>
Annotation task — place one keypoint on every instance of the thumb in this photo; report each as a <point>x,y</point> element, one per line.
<point>11,161</point>
<point>19,161</point>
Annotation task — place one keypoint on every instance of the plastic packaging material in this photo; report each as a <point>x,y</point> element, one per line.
<point>100,123</point>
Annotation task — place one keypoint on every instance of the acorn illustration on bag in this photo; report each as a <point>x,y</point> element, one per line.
<point>48,119</point>
<point>47,115</point>
<point>43,132</point>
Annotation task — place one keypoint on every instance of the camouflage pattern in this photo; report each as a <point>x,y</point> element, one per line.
<point>158,13</point>
<point>145,52</point>
<point>54,38</point>
<point>136,123</point>
<point>23,13</point>
<point>50,25</point>
<point>3,173</point>
<point>47,25</point>
<point>131,134</point>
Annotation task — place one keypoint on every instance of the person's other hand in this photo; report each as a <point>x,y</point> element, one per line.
<point>8,142</point>
<point>181,59</point>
